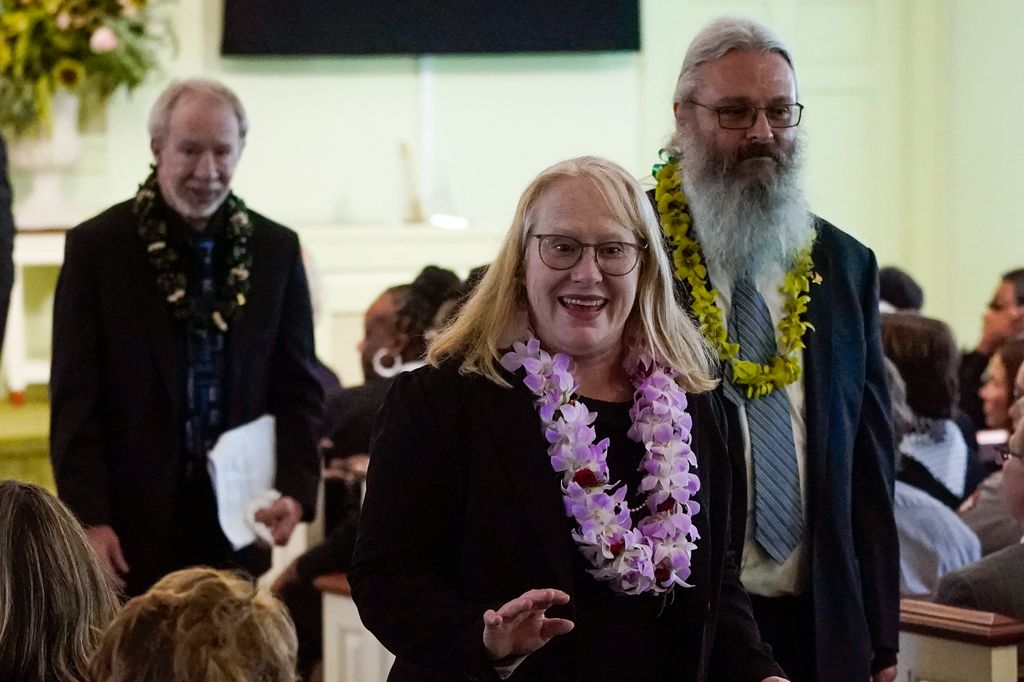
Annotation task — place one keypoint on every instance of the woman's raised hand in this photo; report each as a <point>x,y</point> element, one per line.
<point>520,627</point>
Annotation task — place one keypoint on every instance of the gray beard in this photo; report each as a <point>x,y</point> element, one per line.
<point>745,226</point>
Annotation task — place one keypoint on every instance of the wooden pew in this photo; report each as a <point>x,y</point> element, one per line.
<point>948,644</point>
<point>351,653</point>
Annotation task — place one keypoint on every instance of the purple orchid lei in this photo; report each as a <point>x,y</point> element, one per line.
<point>654,555</point>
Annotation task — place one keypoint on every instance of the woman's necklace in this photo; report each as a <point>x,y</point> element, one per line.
<point>169,267</point>
<point>784,366</point>
<point>654,555</point>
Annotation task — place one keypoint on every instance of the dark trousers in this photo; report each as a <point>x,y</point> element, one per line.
<point>198,539</point>
<point>787,624</point>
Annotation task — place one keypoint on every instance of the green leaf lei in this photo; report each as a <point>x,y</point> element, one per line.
<point>167,264</point>
<point>759,379</point>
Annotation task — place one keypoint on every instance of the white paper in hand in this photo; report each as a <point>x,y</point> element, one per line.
<point>242,468</point>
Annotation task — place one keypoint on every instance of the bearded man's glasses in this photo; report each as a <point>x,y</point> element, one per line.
<point>744,116</point>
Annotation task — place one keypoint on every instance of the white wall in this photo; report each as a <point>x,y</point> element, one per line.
<point>983,202</point>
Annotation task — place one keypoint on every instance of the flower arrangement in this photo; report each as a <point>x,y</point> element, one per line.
<point>653,555</point>
<point>87,47</point>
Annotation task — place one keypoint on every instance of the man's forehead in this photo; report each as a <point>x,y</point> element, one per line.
<point>747,75</point>
<point>193,110</point>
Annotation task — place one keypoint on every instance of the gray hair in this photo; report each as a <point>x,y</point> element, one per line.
<point>719,37</point>
<point>903,418</point>
<point>160,114</point>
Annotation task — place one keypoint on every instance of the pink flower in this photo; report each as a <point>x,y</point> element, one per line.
<point>63,21</point>
<point>654,555</point>
<point>103,40</point>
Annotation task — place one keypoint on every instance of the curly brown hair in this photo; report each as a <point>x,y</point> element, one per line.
<point>199,624</point>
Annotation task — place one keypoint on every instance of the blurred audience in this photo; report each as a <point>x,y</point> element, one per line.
<point>997,389</point>
<point>198,624</point>
<point>1003,320</point>
<point>994,583</point>
<point>397,327</point>
<point>986,511</point>
<point>938,457</point>
<point>933,540</point>
<point>55,598</point>
<point>897,291</point>
<point>394,341</point>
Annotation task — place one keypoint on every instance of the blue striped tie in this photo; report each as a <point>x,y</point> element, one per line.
<point>778,519</point>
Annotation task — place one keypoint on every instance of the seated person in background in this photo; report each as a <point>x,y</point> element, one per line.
<point>1003,320</point>
<point>466,565</point>
<point>55,598</point>
<point>933,540</point>
<point>996,392</point>
<point>897,291</point>
<point>393,342</point>
<point>936,457</point>
<point>396,327</point>
<point>985,511</point>
<point>995,582</point>
<point>198,624</point>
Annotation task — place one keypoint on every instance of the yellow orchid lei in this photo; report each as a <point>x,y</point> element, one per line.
<point>759,379</point>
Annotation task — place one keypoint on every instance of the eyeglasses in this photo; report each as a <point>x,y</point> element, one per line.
<point>560,252</point>
<point>744,116</point>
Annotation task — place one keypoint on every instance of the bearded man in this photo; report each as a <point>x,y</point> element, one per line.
<point>180,314</point>
<point>790,304</point>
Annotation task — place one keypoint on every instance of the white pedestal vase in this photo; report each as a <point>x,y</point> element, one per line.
<point>46,159</point>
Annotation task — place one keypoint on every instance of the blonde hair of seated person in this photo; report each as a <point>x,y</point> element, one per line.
<point>199,624</point>
<point>55,599</point>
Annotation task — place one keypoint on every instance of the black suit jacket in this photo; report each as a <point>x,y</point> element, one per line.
<point>6,243</point>
<point>116,381</point>
<point>464,513</point>
<point>850,470</point>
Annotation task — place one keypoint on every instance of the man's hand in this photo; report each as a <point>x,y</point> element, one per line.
<point>281,518</point>
<point>885,675</point>
<point>520,626</point>
<point>351,469</point>
<point>107,546</point>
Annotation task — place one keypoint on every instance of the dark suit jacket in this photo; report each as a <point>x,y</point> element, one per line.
<point>992,584</point>
<point>855,571</point>
<point>6,242</point>
<point>116,381</point>
<point>464,513</point>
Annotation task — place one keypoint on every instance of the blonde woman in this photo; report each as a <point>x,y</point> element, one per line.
<point>54,596</point>
<point>551,498</point>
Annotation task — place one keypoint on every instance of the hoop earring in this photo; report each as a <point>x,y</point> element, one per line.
<point>380,370</point>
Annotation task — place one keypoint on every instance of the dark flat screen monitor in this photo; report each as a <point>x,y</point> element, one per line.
<point>379,27</point>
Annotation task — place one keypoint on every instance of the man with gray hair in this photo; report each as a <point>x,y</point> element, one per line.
<point>790,305</point>
<point>179,315</point>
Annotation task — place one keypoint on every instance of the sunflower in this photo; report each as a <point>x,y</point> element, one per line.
<point>68,73</point>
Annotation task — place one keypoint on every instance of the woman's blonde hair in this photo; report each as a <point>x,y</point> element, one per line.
<point>656,323</point>
<point>54,596</point>
<point>199,624</point>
